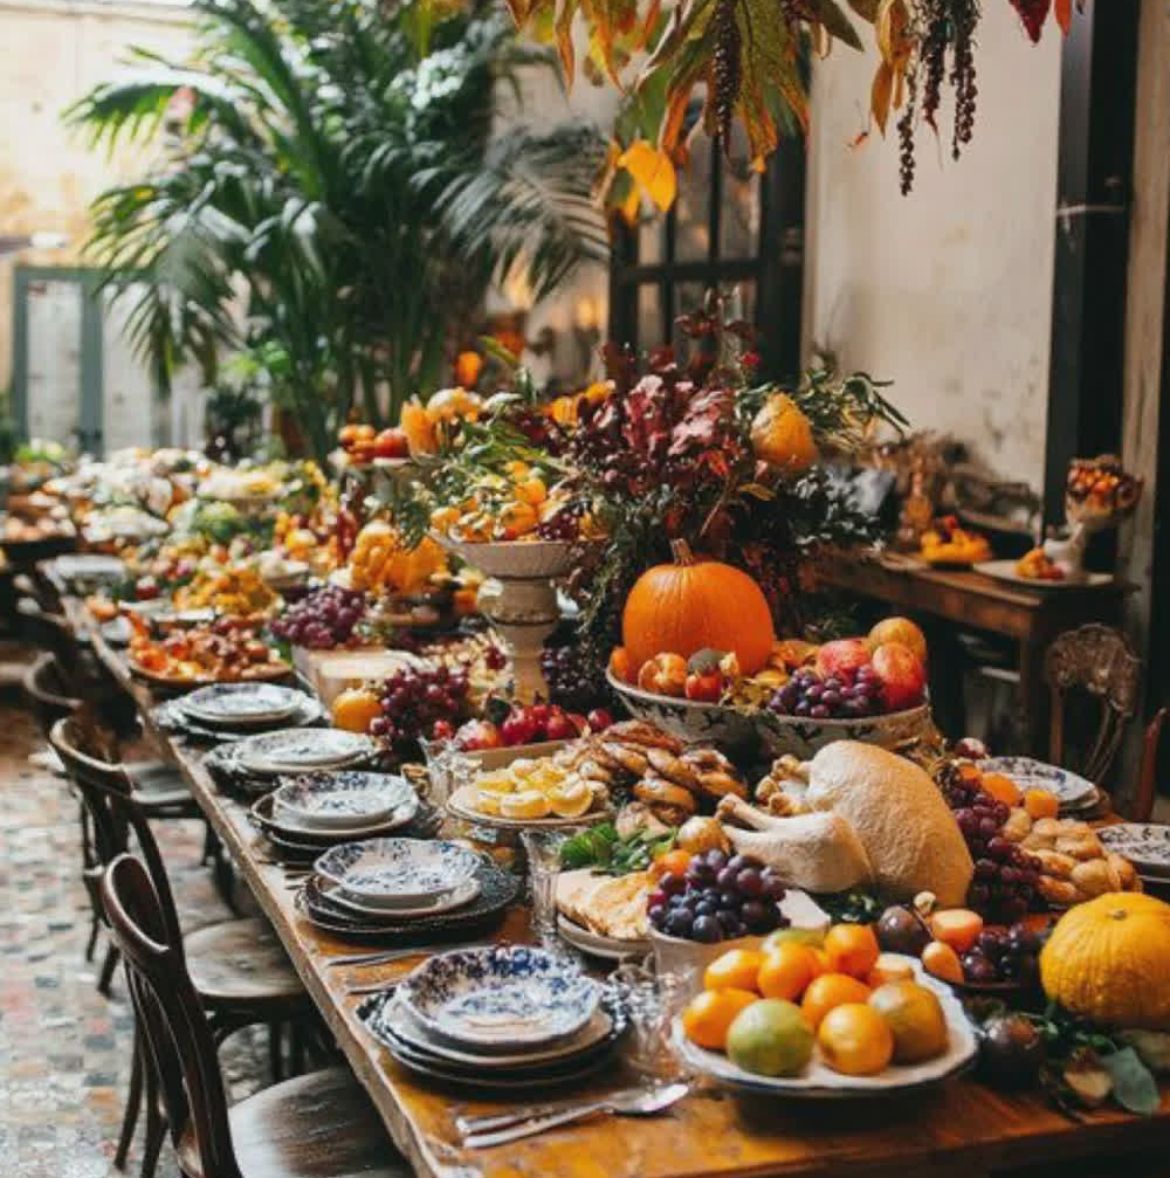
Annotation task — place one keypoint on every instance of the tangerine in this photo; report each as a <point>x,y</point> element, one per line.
<point>1002,789</point>
<point>828,992</point>
<point>852,949</point>
<point>671,863</point>
<point>737,969</point>
<point>709,1015</point>
<point>787,971</point>
<point>355,708</point>
<point>855,1039</point>
<point>1039,803</point>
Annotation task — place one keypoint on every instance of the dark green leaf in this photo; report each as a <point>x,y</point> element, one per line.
<point>1134,1086</point>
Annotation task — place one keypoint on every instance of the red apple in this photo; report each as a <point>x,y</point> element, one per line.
<point>901,630</point>
<point>476,735</point>
<point>901,674</point>
<point>599,719</point>
<point>842,658</point>
<point>559,726</point>
<point>518,727</point>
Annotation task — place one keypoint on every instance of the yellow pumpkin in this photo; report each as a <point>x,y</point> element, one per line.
<point>692,605</point>
<point>1108,960</point>
<point>782,436</point>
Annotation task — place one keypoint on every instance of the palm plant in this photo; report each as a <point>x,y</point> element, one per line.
<point>331,169</point>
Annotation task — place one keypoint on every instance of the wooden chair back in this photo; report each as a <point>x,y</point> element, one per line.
<point>1142,806</point>
<point>48,631</point>
<point>169,1009</point>
<point>1094,662</point>
<point>47,692</point>
<point>117,818</point>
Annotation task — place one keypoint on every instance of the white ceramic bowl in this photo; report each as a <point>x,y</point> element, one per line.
<point>394,872</point>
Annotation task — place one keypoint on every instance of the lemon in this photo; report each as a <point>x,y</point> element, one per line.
<point>571,800</point>
<point>487,802</point>
<point>528,803</point>
<point>496,783</point>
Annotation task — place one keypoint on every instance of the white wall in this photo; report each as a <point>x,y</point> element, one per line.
<point>948,291</point>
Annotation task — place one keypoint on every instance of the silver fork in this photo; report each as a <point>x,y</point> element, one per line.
<point>638,1102</point>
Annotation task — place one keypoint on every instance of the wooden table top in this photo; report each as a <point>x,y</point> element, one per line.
<point>961,1126</point>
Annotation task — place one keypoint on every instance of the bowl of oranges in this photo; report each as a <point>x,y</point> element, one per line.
<point>823,1014</point>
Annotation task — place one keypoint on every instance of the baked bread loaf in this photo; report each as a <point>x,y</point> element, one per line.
<point>909,833</point>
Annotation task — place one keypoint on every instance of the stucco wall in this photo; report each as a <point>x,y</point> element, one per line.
<point>948,291</point>
<point>51,53</point>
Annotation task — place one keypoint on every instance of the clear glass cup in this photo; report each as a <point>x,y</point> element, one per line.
<point>652,1000</point>
<point>542,848</point>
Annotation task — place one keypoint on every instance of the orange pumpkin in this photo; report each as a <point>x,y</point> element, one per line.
<point>691,604</point>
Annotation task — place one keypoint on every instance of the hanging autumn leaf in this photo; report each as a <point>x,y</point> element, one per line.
<point>1033,14</point>
<point>652,172</point>
<point>896,47</point>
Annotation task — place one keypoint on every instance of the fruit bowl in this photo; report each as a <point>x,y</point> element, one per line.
<point>760,729</point>
<point>513,560</point>
<point>819,1082</point>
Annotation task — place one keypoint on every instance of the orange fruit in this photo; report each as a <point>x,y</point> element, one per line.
<point>709,1015</point>
<point>941,960</point>
<point>855,1039</point>
<point>619,664</point>
<point>1002,788</point>
<point>915,1017</point>
<point>737,969</point>
<point>354,708</point>
<point>671,863</point>
<point>1041,804</point>
<point>828,992</point>
<point>852,949</point>
<point>958,927</point>
<point>822,959</point>
<point>787,971</point>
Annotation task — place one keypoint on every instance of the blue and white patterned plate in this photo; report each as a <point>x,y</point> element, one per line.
<point>392,873</point>
<point>500,998</point>
<point>431,906</point>
<point>341,800</point>
<point>1145,844</point>
<point>295,750</point>
<point>1073,792</point>
<point>242,703</point>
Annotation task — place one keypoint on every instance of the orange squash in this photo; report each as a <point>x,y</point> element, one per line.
<point>691,604</point>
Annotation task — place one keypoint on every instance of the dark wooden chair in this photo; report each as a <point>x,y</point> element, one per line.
<point>320,1125</point>
<point>1096,665</point>
<point>238,967</point>
<point>1142,806</point>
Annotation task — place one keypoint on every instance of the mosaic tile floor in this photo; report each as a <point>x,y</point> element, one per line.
<point>63,1047</point>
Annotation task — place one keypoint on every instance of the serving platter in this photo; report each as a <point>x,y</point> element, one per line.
<point>598,945</point>
<point>390,873</point>
<point>267,672</point>
<point>500,997</point>
<point>1005,570</point>
<point>1145,844</point>
<point>818,1081</point>
<point>1070,790</point>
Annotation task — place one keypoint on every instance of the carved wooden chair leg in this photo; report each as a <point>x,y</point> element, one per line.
<point>106,976</point>
<point>156,1125</point>
<point>133,1100</point>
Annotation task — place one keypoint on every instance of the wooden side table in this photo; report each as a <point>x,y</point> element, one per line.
<point>1031,617</point>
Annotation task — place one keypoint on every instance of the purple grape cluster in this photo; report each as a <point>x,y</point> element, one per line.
<point>1006,876</point>
<point>415,699</point>
<point>573,682</point>
<point>1004,955</point>
<point>837,697</point>
<point>323,619</point>
<point>717,899</point>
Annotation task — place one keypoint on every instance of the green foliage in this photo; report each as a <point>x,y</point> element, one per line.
<point>336,161</point>
<point>602,848</point>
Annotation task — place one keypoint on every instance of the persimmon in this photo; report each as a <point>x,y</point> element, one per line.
<point>1002,789</point>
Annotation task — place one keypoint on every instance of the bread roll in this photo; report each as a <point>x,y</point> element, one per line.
<point>909,833</point>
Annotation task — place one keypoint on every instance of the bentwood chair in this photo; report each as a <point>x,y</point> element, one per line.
<point>1142,805</point>
<point>238,967</point>
<point>319,1125</point>
<point>1093,669</point>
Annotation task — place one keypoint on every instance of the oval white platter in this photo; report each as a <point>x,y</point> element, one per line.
<point>818,1081</point>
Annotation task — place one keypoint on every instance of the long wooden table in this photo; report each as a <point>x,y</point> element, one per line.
<point>959,1128</point>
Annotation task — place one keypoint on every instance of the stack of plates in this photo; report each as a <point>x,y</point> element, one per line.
<point>229,711</point>
<point>253,761</point>
<point>507,1017</point>
<point>403,886</point>
<point>1075,794</point>
<point>1146,845</point>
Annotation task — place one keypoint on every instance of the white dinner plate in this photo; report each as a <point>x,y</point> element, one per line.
<point>1071,790</point>
<point>1005,570</point>
<point>299,750</point>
